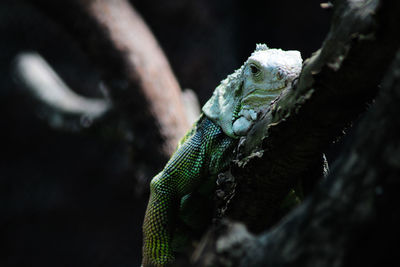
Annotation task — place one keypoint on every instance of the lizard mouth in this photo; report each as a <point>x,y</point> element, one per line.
<point>258,97</point>
<point>262,93</point>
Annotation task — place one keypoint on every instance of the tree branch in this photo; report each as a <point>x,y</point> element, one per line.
<point>144,62</point>
<point>142,85</point>
<point>350,218</point>
<point>335,86</point>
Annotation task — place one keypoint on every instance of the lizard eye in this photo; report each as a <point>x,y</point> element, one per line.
<point>254,70</point>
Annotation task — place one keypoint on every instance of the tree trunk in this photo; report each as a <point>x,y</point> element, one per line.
<point>349,220</point>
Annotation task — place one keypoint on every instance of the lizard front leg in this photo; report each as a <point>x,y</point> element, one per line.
<point>158,223</point>
<point>179,177</point>
<point>205,151</point>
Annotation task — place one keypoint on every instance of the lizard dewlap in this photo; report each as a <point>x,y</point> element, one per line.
<point>207,149</point>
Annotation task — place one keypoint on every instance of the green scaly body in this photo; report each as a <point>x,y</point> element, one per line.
<point>181,195</point>
<point>203,153</point>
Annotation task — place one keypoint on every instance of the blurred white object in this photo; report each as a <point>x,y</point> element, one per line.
<point>46,86</point>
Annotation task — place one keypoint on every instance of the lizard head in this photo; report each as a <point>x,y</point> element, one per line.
<point>237,101</point>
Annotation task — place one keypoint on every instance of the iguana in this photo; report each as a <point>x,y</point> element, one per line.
<point>180,195</point>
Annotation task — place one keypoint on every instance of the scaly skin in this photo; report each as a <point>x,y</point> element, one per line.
<point>205,152</point>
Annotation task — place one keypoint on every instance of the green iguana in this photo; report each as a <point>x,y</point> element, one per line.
<point>181,194</point>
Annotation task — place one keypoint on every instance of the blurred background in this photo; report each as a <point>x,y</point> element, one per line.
<point>70,198</point>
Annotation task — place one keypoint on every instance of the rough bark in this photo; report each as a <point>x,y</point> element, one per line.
<point>350,220</point>
<point>336,85</point>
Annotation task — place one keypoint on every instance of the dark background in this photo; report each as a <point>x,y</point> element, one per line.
<point>70,199</point>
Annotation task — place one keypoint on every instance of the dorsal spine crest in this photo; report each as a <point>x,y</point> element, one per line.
<point>261,47</point>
